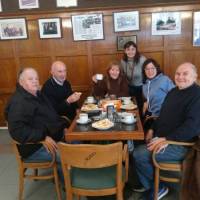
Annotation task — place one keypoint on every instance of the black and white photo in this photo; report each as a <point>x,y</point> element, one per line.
<point>13,29</point>
<point>88,27</point>
<point>50,28</point>
<point>166,23</point>
<point>28,4</point>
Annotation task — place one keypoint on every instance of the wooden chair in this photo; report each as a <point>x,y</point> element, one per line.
<point>166,166</point>
<point>35,166</point>
<point>94,170</point>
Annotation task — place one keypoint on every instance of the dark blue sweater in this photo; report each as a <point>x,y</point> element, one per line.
<point>179,118</point>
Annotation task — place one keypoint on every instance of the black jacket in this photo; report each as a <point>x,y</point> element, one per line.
<point>31,119</point>
<point>57,94</point>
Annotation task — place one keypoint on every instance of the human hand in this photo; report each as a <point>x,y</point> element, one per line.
<point>149,136</point>
<point>157,142</point>
<point>94,78</point>
<point>50,145</point>
<point>74,97</point>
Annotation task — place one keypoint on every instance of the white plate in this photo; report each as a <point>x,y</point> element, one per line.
<point>95,125</point>
<point>93,102</point>
<point>128,107</point>
<point>132,122</point>
<point>80,122</point>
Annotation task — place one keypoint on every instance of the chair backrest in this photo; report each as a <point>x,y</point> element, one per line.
<point>91,156</point>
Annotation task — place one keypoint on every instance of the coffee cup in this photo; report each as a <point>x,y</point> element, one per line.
<point>83,117</point>
<point>126,101</point>
<point>99,77</point>
<point>128,118</point>
<point>90,99</point>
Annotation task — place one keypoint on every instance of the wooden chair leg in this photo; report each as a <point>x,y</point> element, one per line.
<point>78,197</point>
<point>57,184</point>
<point>21,184</point>
<point>156,183</point>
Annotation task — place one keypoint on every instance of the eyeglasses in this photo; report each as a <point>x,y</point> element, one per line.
<point>150,69</point>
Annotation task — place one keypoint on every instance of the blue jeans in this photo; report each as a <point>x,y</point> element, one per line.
<point>43,155</point>
<point>144,163</point>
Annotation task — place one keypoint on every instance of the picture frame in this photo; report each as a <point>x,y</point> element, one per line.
<point>123,39</point>
<point>50,28</point>
<point>166,23</point>
<point>64,3</point>
<point>13,29</point>
<point>196,29</point>
<point>0,6</point>
<point>28,4</point>
<point>87,27</point>
<point>126,21</point>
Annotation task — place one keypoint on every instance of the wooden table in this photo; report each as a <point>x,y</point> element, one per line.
<point>120,131</point>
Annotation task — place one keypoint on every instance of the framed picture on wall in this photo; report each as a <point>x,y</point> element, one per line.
<point>0,6</point>
<point>50,28</point>
<point>196,28</point>
<point>88,27</point>
<point>66,3</point>
<point>122,40</point>
<point>166,23</point>
<point>13,29</point>
<point>28,4</point>
<point>126,21</point>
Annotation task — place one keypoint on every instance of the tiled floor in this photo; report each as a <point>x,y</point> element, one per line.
<point>39,190</point>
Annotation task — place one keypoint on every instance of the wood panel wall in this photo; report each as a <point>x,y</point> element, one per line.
<point>85,58</point>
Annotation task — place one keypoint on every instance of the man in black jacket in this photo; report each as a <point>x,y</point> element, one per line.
<point>31,118</point>
<point>178,121</point>
<point>59,91</point>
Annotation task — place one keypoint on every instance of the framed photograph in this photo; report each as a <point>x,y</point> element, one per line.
<point>28,4</point>
<point>0,6</point>
<point>50,28</point>
<point>87,27</point>
<point>196,28</point>
<point>126,21</point>
<point>166,23</point>
<point>13,29</point>
<point>66,3</point>
<point>122,40</point>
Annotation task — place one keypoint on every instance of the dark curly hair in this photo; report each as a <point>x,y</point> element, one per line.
<point>156,65</point>
<point>136,58</point>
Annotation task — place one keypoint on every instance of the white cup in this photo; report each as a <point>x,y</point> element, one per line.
<point>126,101</point>
<point>99,77</point>
<point>83,117</point>
<point>90,99</point>
<point>128,118</point>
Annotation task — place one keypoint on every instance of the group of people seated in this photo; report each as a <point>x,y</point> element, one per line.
<point>34,115</point>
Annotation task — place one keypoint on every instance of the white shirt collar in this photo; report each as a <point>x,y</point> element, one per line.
<point>57,81</point>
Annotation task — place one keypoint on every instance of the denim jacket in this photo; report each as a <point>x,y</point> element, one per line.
<point>155,90</point>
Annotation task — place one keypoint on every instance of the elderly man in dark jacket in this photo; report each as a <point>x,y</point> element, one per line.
<point>178,121</point>
<point>31,118</point>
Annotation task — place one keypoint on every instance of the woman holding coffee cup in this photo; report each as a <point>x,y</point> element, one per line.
<point>131,63</point>
<point>155,88</point>
<point>113,83</point>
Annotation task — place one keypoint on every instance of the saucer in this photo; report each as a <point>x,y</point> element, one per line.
<point>80,122</point>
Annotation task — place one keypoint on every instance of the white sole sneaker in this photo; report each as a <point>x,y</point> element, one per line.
<point>166,190</point>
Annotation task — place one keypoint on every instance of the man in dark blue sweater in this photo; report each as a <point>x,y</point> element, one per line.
<point>59,91</point>
<point>178,121</point>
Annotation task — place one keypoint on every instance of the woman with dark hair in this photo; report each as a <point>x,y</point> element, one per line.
<point>132,62</point>
<point>113,83</point>
<point>155,88</point>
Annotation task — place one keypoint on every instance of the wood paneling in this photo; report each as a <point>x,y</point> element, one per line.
<point>41,64</point>
<point>85,58</point>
